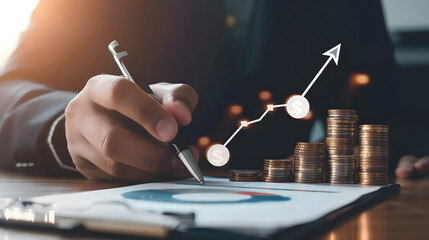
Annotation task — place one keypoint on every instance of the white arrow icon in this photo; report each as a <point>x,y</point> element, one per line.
<point>333,53</point>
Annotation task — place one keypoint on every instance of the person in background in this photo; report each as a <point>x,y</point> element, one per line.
<point>64,108</point>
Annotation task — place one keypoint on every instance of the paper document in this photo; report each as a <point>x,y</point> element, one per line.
<point>259,206</point>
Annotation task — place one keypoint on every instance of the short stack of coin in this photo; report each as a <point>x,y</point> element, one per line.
<point>309,162</point>
<point>278,170</point>
<point>373,154</point>
<point>244,175</point>
<point>340,140</point>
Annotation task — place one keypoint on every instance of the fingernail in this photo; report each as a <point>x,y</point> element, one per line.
<point>187,117</point>
<point>166,130</point>
<point>422,165</point>
<point>403,173</point>
<point>183,104</point>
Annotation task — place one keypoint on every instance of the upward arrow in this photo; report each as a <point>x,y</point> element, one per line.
<point>334,54</point>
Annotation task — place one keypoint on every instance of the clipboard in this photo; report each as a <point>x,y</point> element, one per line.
<point>28,214</point>
<point>21,213</point>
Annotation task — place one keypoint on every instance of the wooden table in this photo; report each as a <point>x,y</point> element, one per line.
<point>403,216</point>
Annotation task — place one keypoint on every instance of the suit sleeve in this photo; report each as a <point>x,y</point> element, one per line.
<point>64,45</point>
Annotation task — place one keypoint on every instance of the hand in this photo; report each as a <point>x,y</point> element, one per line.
<point>411,166</point>
<point>115,130</point>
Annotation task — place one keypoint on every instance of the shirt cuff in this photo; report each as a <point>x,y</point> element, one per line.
<point>52,147</point>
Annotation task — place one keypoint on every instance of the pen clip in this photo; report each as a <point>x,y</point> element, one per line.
<point>118,56</point>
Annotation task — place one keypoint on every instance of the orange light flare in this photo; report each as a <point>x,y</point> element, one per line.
<point>203,141</point>
<point>235,110</point>
<point>265,95</point>
<point>359,80</point>
<point>309,115</point>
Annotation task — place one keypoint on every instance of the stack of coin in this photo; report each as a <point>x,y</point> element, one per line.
<point>244,175</point>
<point>309,162</point>
<point>373,154</point>
<point>278,170</point>
<point>340,141</point>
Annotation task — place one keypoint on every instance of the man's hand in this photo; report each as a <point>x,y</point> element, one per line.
<point>411,166</point>
<point>115,130</point>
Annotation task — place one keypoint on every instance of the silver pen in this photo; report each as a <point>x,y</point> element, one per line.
<point>178,144</point>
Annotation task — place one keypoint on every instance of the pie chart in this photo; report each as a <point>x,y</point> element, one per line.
<point>203,196</point>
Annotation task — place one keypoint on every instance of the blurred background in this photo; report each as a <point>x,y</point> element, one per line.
<point>408,26</point>
<point>14,18</point>
<point>407,23</point>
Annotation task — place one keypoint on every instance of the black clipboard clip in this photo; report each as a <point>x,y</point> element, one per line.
<point>24,213</point>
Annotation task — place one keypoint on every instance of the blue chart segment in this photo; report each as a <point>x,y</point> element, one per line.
<point>203,196</point>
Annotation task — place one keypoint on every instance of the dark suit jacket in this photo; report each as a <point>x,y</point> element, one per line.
<point>187,41</point>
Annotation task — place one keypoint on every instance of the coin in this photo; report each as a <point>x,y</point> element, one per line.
<point>342,112</point>
<point>277,170</point>
<point>309,162</point>
<point>373,154</point>
<point>341,133</point>
<point>298,106</point>
<point>244,175</point>
<point>218,155</point>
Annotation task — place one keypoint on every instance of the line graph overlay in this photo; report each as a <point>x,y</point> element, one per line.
<point>333,54</point>
<point>270,108</point>
<point>296,106</point>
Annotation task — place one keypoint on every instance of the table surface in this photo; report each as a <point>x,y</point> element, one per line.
<point>402,216</point>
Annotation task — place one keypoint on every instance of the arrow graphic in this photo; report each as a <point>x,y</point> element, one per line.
<point>333,53</point>
<point>298,101</point>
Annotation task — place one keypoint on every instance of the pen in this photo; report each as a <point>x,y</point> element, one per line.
<point>179,146</point>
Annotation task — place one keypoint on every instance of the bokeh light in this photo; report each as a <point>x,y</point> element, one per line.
<point>203,141</point>
<point>265,95</point>
<point>235,109</point>
<point>230,21</point>
<point>359,79</point>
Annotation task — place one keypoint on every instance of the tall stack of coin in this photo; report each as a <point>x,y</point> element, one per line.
<point>277,170</point>
<point>340,141</point>
<point>373,154</point>
<point>244,175</point>
<point>309,162</point>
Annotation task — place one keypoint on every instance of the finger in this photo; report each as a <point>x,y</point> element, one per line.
<point>80,151</point>
<point>405,166</point>
<point>124,96</point>
<point>422,166</point>
<point>179,99</point>
<point>112,140</point>
<point>89,170</point>
<point>100,167</point>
